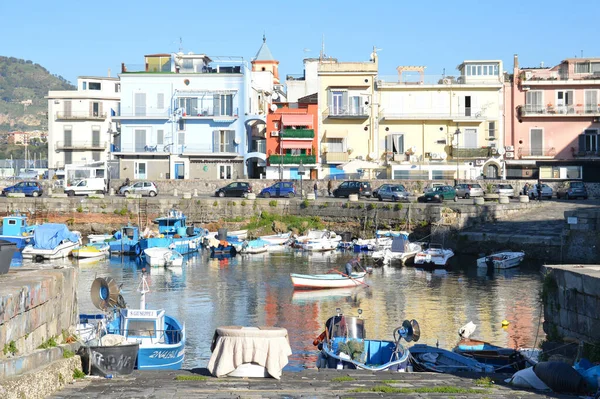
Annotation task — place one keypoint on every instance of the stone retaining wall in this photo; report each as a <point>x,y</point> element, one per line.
<point>571,297</point>
<point>36,304</point>
<point>581,234</point>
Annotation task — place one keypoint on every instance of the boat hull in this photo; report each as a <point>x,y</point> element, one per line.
<point>431,358</point>
<point>381,357</point>
<point>503,260</point>
<point>319,281</point>
<point>167,357</point>
<point>162,257</point>
<point>61,251</point>
<point>97,250</point>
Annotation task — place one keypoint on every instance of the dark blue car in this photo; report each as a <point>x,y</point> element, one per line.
<point>26,187</point>
<point>279,189</point>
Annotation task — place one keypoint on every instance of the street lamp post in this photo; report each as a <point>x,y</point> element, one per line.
<point>456,133</point>
<point>301,171</point>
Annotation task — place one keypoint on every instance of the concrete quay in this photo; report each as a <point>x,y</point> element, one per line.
<point>305,384</point>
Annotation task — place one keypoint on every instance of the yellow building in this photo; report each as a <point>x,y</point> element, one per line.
<point>346,131</point>
<point>442,127</point>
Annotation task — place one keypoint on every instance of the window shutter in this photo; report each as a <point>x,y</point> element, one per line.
<point>345,102</point>
<point>581,142</point>
<point>160,136</point>
<point>100,110</point>
<point>388,143</point>
<point>329,100</point>
<point>91,108</point>
<point>400,144</point>
<point>216,141</point>
<point>230,144</point>
<point>67,108</point>
<point>217,105</point>
<point>160,100</point>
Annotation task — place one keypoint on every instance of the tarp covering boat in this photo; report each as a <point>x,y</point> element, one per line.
<point>50,235</point>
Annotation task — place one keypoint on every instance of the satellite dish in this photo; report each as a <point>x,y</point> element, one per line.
<point>273,107</point>
<point>501,151</point>
<point>105,293</point>
<point>443,155</point>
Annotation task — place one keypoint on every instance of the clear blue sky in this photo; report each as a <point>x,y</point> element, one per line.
<point>73,38</point>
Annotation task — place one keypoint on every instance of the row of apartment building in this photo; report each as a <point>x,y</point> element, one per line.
<point>191,116</point>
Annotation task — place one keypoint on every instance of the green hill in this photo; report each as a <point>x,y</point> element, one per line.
<point>22,80</point>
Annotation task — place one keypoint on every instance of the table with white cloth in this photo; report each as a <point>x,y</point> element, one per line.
<point>235,346</point>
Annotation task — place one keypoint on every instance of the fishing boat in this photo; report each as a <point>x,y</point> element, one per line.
<point>221,248</point>
<point>92,250</point>
<point>310,235</point>
<point>327,242</point>
<point>51,241</point>
<point>434,255</point>
<point>337,280</point>
<point>432,358</point>
<point>402,250</point>
<point>173,233</point>
<point>502,260</point>
<point>161,338</point>
<point>162,257</point>
<point>257,246</point>
<point>344,345</point>
<point>15,229</point>
<point>278,239</point>
<point>125,240</point>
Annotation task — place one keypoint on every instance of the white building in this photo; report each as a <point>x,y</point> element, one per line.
<point>79,121</point>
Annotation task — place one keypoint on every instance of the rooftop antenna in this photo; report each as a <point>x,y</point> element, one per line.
<point>322,55</point>
<point>180,44</point>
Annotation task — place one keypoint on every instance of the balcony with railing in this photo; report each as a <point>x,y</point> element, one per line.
<point>287,159</point>
<point>465,113</point>
<point>552,110</point>
<point>536,152</point>
<point>81,145</point>
<point>588,153</point>
<point>346,113</point>
<point>336,157</point>
<point>80,115</point>
<point>460,152</point>
<point>298,134</point>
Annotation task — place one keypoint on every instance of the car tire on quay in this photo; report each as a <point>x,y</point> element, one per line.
<point>221,194</point>
<point>152,193</point>
<point>467,196</point>
<point>291,195</point>
<point>125,192</point>
<point>456,198</point>
<point>267,195</point>
<point>35,194</point>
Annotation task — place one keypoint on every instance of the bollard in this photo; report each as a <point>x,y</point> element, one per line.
<point>479,200</point>
<point>111,192</point>
<point>49,191</point>
<point>523,198</point>
<point>310,196</point>
<point>353,198</point>
<point>174,192</point>
<point>195,192</point>
<point>251,196</point>
<point>503,199</point>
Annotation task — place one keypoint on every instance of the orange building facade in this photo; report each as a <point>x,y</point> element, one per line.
<point>292,139</point>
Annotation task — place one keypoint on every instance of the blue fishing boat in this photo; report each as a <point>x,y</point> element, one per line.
<point>344,345</point>
<point>432,358</point>
<point>161,338</point>
<point>173,233</point>
<point>126,240</point>
<point>15,229</point>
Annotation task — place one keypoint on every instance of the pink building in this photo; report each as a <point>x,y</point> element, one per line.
<point>553,121</point>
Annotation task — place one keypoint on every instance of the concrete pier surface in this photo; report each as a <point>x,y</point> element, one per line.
<point>198,383</point>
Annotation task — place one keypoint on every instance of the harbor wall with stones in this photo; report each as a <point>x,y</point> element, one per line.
<point>581,236</point>
<point>571,298</point>
<point>36,305</point>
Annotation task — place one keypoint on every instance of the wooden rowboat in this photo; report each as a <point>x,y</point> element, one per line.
<point>316,281</point>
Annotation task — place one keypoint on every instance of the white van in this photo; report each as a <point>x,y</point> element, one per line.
<point>87,187</point>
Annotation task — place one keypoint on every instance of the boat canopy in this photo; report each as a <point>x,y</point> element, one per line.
<point>347,327</point>
<point>50,235</point>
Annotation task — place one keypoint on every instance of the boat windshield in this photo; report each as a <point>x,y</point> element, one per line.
<point>349,327</point>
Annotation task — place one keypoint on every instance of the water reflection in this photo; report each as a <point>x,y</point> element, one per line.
<point>255,290</point>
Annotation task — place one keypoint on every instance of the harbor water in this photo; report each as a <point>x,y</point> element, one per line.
<point>256,290</point>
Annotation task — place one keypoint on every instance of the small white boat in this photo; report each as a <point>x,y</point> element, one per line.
<point>277,239</point>
<point>401,250</point>
<point>323,244</point>
<point>309,236</point>
<point>92,238</point>
<point>92,250</point>
<point>257,246</point>
<point>52,241</point>
<point>338,280</point>
<point>502,260</point>
<point>163,257</point>
<point>239,234</point>
<point>434,255</point>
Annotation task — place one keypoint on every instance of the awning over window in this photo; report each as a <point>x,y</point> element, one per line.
<point>297,120</point>
<point>336,134</point>
<point>297,144</point>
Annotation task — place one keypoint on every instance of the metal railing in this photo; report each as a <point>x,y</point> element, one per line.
<point>86,145</point>
<point>414,79</point>
<point>464,113</point>
<point>345,112</point>
<point>292,159</point>
<point>75,115</point>
<point>587,154</point>
<point>166,336</point>
<point>559,110</point>
<point>536,152</point>
<point>459,152</point>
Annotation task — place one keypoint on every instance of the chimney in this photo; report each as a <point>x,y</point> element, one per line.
<point>516,61</point>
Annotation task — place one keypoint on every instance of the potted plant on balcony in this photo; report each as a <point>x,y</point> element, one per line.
<point>350,151</point>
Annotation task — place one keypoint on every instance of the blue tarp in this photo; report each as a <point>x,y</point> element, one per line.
<point>50,235</point>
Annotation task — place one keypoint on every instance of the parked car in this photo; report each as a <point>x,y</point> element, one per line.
<point>432,186</point>
<point>547,191</point>
<point>87,187</point>
<point>392,192</point>
<point>235,189</point>
<point>505,189</point>
<point>439,194</point>
<point>376,191</point>
<point>362,188</point>
<point>572,189</point>
<point>468,190</point>
<point>32,188</point>
<point>29,174</point>
<point>141,187</point>
<point>279,189</point>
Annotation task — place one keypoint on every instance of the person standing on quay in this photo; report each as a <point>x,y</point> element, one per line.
<point>539,189</point>
<point>329,187</point>
<point>315,187</point>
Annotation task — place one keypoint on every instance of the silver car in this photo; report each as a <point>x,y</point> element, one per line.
<point>393,192</point>
<point>141,187</point>
<point>468,190</point>
<point>546,191</point>
<point>505,189</point>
